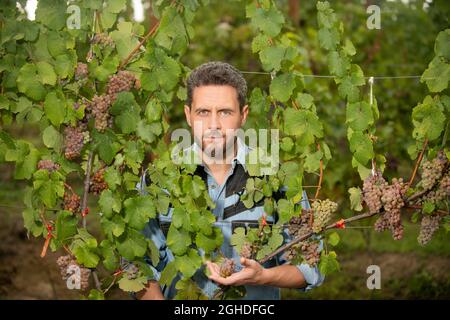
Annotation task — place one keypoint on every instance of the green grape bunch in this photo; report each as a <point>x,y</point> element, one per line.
<point>323,210</point>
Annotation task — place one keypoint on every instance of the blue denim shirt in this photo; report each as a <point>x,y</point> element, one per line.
<point>229,214</point>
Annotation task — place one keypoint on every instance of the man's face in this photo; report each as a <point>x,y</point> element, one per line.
<point>214,117</point>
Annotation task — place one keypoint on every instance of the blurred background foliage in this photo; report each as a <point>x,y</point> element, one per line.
<point>403,46</point>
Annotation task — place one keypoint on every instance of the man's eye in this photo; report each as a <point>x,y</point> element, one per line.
<point>225,113</point>
<point>203,112</point>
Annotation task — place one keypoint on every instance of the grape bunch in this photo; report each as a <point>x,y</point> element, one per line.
<point>310,252</point>
<point>73,142</point>
<point>64,262</point>
<point>71,202</point>
<point>99,108</point>
<point>432,170</point>
<point>299,226</point>
<point>246,250</point>
<point>439,193</point>
<point>103,39</point>
<point>323,209</point>
<point>292,252</point>
<point>48,165</point>
<point>122,81</point>
<point>81,72</point>
<point>392,200</point>
<point>373,190</point>
<point>132,272</point>
<point>227,267</point>
<point>98,183</point>
<point>428,226</point>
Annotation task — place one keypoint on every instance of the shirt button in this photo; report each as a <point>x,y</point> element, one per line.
<point>213,186</point>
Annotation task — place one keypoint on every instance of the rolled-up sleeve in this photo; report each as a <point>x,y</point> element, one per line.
<point>312,275</point>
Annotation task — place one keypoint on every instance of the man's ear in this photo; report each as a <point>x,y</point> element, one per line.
<point>187,113</point>
<point>244,113</point>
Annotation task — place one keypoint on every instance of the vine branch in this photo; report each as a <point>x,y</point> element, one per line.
<point>133,52</point>
<point>87,181</point>
<point>419,160</point>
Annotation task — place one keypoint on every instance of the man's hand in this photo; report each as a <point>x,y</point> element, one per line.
<point>284,276</point>
<point>252,274</point>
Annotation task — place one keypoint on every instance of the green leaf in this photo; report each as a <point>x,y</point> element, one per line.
<point>302,123</point>
<point>355,199</point>
<point>154,253</point>
<point>189,263</point>
<point>109,202</point>
<point>238,238</point>
<point>132,285</point>
<point>178,240</point>
<point>328,38</point>
<point>66,226</point>
<point>111,260</point>
<point>28,82</point>
<point>46,73</point>
<point>138,210</point>
<point>49,188</point>
<point>428,207</point>
<point>85,254</point>
<point>52,13</point>
<point>268,21</point>
<point>167,69</point>
<point>272,57</point>
<point>437,75</point>
<point>112,178</point>
<point>115,6</point>
<point>114,227</point>
<point>107,145</point>
<point>285,210</point>
<point>52,138</point>
<point>312,161</point>
<point>124,39</point>
<point>359,115</point>
<point>282,86</point>
<point>428,119</point>
<point>32,221</point>
<point>209,242</point>
<point>65,64</point>
<point>168,274</point>
<point>442,44</point>
<point>55,107</point>
<point>171,32</point>
<point>260,42</point>
<point>328,263</point>
<point>361,146</point>
<point>126,111</point>
<point>338,64</point>
<point>333,239</point>
<point>95,294</point>
<point>131,244</point>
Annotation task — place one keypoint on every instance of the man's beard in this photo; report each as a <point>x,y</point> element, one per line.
<point>218,153</point>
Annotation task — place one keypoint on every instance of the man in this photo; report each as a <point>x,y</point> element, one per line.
<point>216,108</point>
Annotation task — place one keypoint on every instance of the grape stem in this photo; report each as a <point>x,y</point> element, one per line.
<point>86,185</point>
<point>419,160</point>
<point>133,52</point>
<point>320,177</point>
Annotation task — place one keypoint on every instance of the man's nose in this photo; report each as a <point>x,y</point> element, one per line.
<point>214,121</point>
